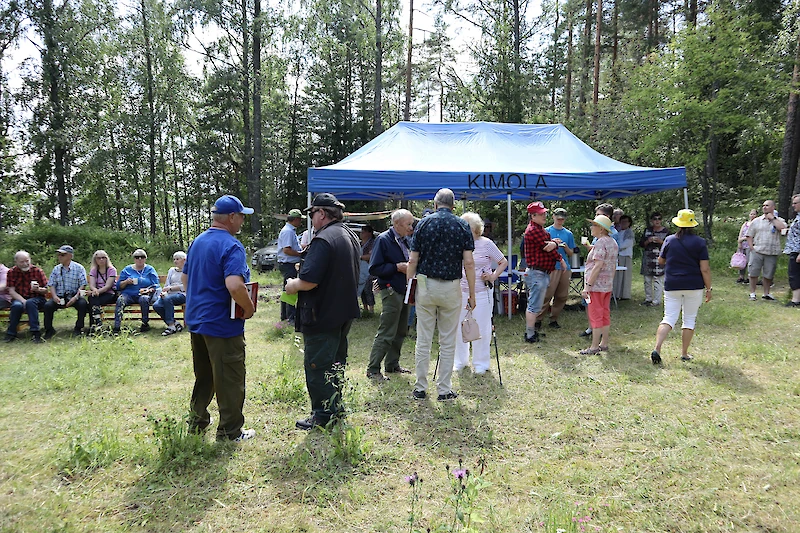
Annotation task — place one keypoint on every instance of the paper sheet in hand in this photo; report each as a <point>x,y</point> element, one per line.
<point>290,299</point>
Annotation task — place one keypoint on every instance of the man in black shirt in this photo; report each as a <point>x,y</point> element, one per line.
<point>326,306</point>
<point>441,243</point>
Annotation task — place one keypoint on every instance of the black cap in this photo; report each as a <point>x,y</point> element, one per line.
<point>325,199</point>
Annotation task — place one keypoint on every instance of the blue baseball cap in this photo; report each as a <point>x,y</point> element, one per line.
<point>230,204</point>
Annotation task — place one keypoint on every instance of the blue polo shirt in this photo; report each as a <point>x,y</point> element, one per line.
<point>566,237</point>
<point>214,255</point>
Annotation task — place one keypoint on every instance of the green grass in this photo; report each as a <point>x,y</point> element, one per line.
<point>92,435</point>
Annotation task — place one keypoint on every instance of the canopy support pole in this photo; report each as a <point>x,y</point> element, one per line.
<point>686,198</point>
<point>510,247</point>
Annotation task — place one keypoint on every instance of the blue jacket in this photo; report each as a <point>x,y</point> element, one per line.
<point>148,278</point>
<point>383,262</point>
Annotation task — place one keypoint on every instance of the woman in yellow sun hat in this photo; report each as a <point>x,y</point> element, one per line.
<point>687,277</point>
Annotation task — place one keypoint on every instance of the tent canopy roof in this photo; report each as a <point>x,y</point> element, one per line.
<point>485,161</point>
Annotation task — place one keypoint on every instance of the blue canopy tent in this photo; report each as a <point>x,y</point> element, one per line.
<point>485,161</point>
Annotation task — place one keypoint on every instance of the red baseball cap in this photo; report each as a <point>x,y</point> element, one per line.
<point>536,207</point>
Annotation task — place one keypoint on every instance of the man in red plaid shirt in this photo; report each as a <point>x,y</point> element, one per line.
<point>541,256</point>
<point>27,286</point>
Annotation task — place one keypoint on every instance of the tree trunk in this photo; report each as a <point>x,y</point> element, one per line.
<point>596,79</point>
<point>247,151</point>
<point>587,32</point>
<point>377,124</point>
<point>151,119</point>
<point>117,179</point>
<point>555,69</point>
<point>407,108</point>
<point>516,86</point>
<point>52,76</point>
<point>791,141</point>
<point>568,81</point>
<point>254,185</point>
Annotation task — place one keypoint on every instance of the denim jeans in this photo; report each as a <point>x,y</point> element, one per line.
<point>165,306</point>
<point>127,299</point>
<point>32,307</point>
<point>537,282</point>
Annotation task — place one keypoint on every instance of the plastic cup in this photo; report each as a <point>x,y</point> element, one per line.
<point>784,231</point>
<point>34,285</point>
<point>584,241</point>
<point>135,281</point>
<point>82,292</point>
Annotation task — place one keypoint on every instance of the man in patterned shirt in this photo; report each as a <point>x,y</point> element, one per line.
<point>541,256</point>
<point>442,243</point>
<point>27,286</point>
<point>67,280</point>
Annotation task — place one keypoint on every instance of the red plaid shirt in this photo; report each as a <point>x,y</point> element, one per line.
<point>535,238</point>
<point>21,281</point>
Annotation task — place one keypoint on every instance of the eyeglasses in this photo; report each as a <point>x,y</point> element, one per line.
<point>655,218</point>
<point>102,257</point>
<point>140,257</point>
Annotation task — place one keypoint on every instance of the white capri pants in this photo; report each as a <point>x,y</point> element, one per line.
<point>481,348</point>
<point>687,301</point>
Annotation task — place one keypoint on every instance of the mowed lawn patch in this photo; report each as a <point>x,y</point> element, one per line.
<point>92,436</point>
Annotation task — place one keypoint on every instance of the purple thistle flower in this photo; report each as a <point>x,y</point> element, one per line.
<point>459,473</point>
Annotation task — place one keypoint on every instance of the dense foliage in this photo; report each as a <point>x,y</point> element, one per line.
<point>111,127</point>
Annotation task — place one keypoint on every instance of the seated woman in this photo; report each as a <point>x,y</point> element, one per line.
<point>138,283</point>
<point>102,276</point>
<point>172,294</point>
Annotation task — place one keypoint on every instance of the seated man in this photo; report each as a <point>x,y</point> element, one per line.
<point>172,294</point>
<point>67,280</point>
<point>137,283</point>
<point>5,298</point>
<point>27,286</point>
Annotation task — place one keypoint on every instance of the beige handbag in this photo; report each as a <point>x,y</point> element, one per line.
<point>469,328</point>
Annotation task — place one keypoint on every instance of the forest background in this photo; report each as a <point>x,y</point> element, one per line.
<point>110,128</point>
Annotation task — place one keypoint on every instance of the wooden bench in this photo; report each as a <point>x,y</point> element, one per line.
<point>131,312</point>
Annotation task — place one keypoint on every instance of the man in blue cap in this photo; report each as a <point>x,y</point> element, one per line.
<point>216,272</point>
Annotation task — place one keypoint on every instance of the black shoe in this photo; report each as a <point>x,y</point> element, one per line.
<point>49,334</point>
<point>790,304</point>
<point>585,333</point>
<point>646,303</point>
<point>419,394</point>
<point>37,338</point>
<point>77,332</point>
<point>398,370</point>
<point>449,396</point>
<point>10,338</point>
<point>655,357</point>
<point>534,338</point>
<point>377,376</point>
<point>554,325</point>
<point>309,423</point>
<point>538,325</point>
<point>759,282</point>
<point>115,331</point>
<point>145,327</point>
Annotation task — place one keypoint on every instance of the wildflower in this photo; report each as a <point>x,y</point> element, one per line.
<point>459,473</point>
<point>412,479</point>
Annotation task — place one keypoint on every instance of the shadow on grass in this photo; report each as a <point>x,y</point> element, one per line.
<point>724,375</point>
<point>176,497</point>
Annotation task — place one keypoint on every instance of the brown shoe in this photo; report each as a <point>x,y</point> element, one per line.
<point>398,370</point>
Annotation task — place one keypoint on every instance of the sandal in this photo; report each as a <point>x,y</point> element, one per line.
<point>169,331</point>
<point>590,351</point>
<point>603,348</point>
<point>686,357</point>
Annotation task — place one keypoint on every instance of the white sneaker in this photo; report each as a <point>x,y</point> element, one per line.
<point>247,434</point>
<point>752,297</point>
